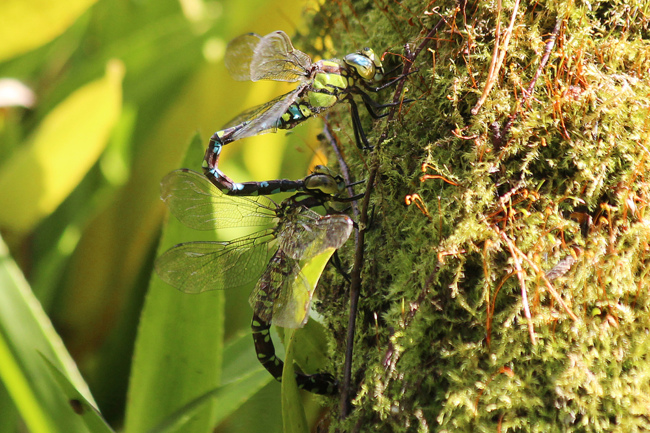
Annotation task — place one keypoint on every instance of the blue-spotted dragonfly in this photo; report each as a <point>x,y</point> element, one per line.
<point>270,256</point>
<point>322,85</point>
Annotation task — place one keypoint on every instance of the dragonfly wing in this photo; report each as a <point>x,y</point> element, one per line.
<point>196,267</point>
<point>268,286</point>
<point>239,54</point>
<point>276,59</point>
<point>250,114</point>
<point>311,234</point>
<point>282,295</point>
<point>198,204</point>
<point>263,118</point>
<point>291,308</point>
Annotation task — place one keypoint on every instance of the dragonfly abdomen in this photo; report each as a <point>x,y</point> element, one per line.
<point>319,383</point>
<point>297,113</point>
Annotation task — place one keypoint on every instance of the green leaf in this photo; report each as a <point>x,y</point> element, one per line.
<point>229,397</point>
<point>311,343</point>
<point>60,153</point>
<point>179,346</point>
<point>90,416</point>
<point>311,339</point>
<point>27,24</point>
<point>313,268</point>
<point>293,413</point>
<point>26,337</point>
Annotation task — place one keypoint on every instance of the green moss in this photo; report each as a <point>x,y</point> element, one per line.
<point>442,342</point>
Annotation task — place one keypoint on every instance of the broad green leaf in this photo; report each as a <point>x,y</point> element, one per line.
<point>68,142</point>
<point>311,339</point>
<point>240,359</point>
<point>9,419</point>
<point>87,412</point>
<point>179,346</point>
<point>293,413</point>
<point>313,268</point>
<point>228,397</point>
<point>26,337</point>
<point>311,346</point>
<point>242,380</point>
<point>27,24</point>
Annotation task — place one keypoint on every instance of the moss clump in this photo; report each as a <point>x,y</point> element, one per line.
<point>443,342</point>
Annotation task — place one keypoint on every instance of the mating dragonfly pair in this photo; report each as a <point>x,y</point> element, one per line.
<point>295,233</point>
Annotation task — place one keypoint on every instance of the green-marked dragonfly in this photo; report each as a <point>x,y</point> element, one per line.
<point>322,85</point>
<point>270,256</point>
<point>283,275</point>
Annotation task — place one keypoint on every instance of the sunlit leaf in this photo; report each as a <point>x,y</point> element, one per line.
<point>27,24</point>
<point>83,408</point>
<point>293,413</point>
<point>68,142</point>
<point>26,337</point>
<point>237,388</point>
<point>178,349</point>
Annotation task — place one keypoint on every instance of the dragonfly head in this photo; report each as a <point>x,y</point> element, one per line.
<point>323,180</point>
<point>366,63</point>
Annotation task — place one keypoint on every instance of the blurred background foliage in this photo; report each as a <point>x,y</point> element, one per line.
<point>98,101</point>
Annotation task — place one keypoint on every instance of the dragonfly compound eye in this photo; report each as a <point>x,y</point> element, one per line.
<point>361,63</point>
<point>322,169</point>
<point>379,68</point>
<point>324,183</point>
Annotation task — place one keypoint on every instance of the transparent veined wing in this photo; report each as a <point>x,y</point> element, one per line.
<point>196,267</point>
<point>198,204</point>
<point>262,118</point>
<point>276,59</point>
<point>309,234</point>
<point>272,57</point>
<point>239,54</point>
<point>282,295</point>
<point>291,307</point>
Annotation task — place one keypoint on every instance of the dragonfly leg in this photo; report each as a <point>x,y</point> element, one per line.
<point>390,71</point>
<point>319,383</point>
<point>390,83</point>
<point>336,262</point>
<point>372,106</point>
<point>359,134</point>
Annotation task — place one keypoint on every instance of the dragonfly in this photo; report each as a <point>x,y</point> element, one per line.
<point>291,232</point>
<point>283,275</point>
<point>321,85</point>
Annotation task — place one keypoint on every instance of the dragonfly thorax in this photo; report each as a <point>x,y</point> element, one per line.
<point>329,83</point>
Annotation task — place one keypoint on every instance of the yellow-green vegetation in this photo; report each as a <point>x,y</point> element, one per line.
<point>459,328</point>
<point>505,280</point>
<point>118,90</point>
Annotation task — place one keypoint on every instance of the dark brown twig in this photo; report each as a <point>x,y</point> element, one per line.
<point>345,171</point>
<point>355,284</point>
